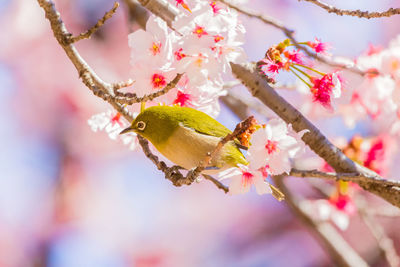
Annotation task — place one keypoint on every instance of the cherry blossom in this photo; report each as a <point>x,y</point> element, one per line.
<point>243,177</point>
<point>154,43</point>
<point>324,210</point>
<point>325,89</point>
<point>113,123</point>
<point>318,46</point>
<point>275,145</point>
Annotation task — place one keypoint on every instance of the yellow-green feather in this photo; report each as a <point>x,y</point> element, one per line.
<point>163,122</point>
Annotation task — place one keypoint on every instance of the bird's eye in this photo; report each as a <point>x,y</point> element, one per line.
<point>141,125</point>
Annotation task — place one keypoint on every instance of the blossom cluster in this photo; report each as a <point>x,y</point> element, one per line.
<point>378,94</point>
<point>272,149</point>
<point>374,153</point>
<point>206,38</point>
<point>324,87</point>
<point>113,123</point>
<point>201,42</point>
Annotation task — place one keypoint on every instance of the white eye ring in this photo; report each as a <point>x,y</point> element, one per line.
<point>141,125</point>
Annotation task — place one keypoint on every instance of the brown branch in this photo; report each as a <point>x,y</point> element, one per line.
<point>131,98</point>
<point>340,251</point>
<point>355,13</point>
<point>136,14</point>
<point>119,85</point>
<point>103,89</point>
<point>348,177</point>
<point>100,22</point>
<point>237,106</point>
<point>217,183</point>
<point>314,138</point>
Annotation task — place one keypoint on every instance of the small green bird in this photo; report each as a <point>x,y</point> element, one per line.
<point>185,136</point>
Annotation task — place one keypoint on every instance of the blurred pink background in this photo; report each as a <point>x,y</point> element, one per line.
<point>72,197</point>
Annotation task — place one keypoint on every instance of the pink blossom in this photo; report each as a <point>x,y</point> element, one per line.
<point>318,46</point>
<point>113,123</point>
<point>324,210</point>
<point>214,7</point>
<point>182,99</point>
<point>150,77</point>
<point>343,203</point>
<point>242,178</point>
<point>326,88</point>
<point>271,67</point>
<point>154,44</point>
<point>294,56</point>
<point>275,145</point>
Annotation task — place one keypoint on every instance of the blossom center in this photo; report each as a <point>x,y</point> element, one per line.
<point>182,99</point>
<point>395,65</point>
<point>322,89</point>
<point>158,80</point>
<point>155,48</point>
<point>218,38</point>
<point>271,146</point>
<point>199,60</point>
<point>199,31</point>
<point>116,119</point>
<point>179,54</point>
<point>247,178</point>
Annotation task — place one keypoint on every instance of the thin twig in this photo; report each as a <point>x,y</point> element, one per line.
<point>355,13</point>
<point>217,183</point>
<point>348,177</point>
<point>100,22</point>
<point>119,85</point>
<point>131,98</point>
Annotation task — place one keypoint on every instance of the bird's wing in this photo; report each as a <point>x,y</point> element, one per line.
<point>202,123</point>
<point>208,125</point>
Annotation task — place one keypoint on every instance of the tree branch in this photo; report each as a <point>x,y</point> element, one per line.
<point>348,177</point>
<point>314,138</point>
<point>100,22</point>
<point>355,13</point>
<point>340,251</point>
<point>132,98</point>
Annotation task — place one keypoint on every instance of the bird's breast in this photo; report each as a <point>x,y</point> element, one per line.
<point>187,148</point>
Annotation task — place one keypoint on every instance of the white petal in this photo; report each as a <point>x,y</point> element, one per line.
<point>341,220</point>
<point>262,187</point>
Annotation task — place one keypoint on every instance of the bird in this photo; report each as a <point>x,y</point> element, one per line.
<point>186,136</point>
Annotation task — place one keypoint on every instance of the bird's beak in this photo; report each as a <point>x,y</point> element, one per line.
<point>127,130</point>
